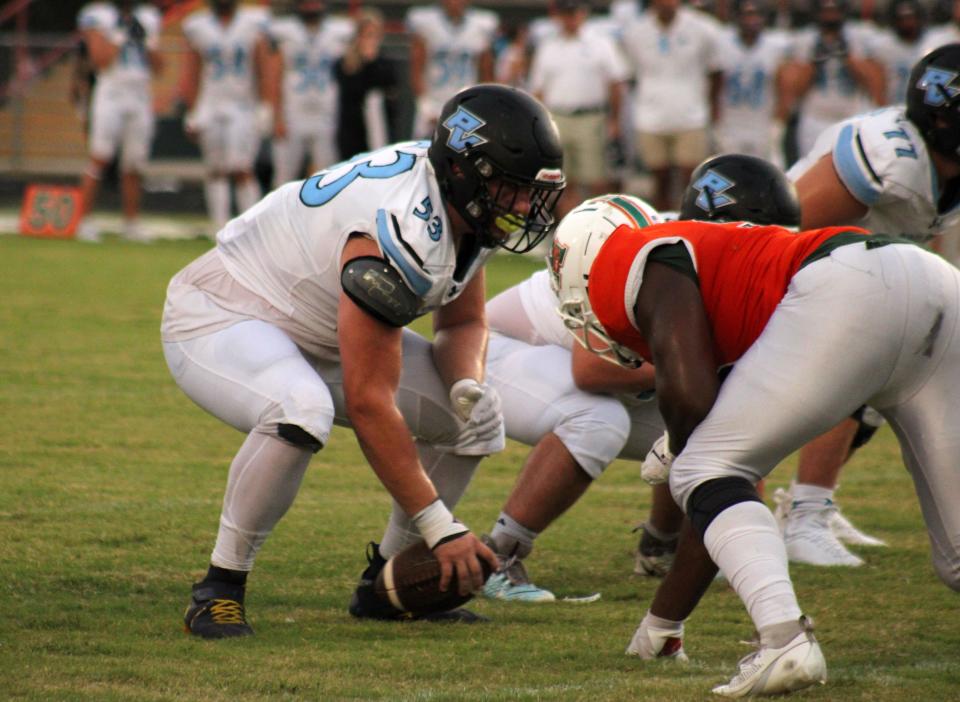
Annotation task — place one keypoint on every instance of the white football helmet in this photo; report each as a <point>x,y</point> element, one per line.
<point>576,244</point>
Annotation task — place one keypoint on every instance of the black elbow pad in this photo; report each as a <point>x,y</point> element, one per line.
<point>376,288</point>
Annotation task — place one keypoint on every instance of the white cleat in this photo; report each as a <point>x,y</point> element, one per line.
<point>88,231</point>
<point>775,671</point>
<point>841,527</point>
<point>810,540</point>
<point>133,230</point>
<point>848,533</point>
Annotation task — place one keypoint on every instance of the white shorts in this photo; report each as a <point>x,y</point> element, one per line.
<point>877,327</point>
<point>229,140</point>
<point>121,121</point>
<point>316,140</point>
<point>539,396</point>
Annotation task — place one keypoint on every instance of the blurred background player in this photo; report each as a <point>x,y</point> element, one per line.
<point>309,45</point>
<point>451,48</point>
<point>894,170</point>
<point>752,111</point>
<point>225,77</point>
<point>947,33</point>
<point>675,53</point>
<point>578,411</point>
<point>833,73</point>
<point>579,75</point>
<point>366,80</point>
<point>900,45</point>
<point>121,40</point>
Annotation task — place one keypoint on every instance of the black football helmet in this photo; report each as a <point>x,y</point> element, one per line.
<point>493,147</point>
<point>933,99</point>
<point>740,188</point>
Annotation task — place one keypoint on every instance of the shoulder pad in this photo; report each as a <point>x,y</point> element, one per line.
<point>376,287</point>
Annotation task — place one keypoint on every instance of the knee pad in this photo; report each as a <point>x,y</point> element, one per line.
<point>595,436</point>
<point>712,497</point>
<point>298,436</point>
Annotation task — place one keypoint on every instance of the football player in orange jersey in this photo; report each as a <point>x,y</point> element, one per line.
<point>770,307</point>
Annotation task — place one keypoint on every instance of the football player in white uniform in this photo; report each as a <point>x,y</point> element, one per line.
<point>900,46</point>
<point>294,321</point>
<point>451,48</point>
<point>225,75</point>
<point>751,107</point>
<point>948,33</point>
<point>835,73</point>
<point>309,46</point>
<point>897,171</point>
<point>122,40</point>
<point>577,410</point>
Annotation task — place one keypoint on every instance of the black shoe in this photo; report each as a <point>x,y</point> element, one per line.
<point>654,556</point>
<point>365,604</point>
<point>216,611</point>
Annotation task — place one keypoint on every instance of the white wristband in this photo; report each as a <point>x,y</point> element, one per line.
<point>437,524</point>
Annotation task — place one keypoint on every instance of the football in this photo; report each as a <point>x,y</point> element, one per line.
<point>410,581</point>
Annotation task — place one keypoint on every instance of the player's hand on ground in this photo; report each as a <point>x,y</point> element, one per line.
<point>656,466</point>
<point>462,556</point>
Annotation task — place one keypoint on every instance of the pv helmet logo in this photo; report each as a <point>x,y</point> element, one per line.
<point>462,125</point>
<point>711,187</point>
<point>935,82</point>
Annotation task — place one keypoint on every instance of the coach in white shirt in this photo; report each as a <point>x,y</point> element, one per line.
<point>579,74</point>
<point>676,58</point>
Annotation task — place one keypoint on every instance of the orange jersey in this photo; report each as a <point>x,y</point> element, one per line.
<point>743,271</point>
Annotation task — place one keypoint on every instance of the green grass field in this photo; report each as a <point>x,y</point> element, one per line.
<point>110,489</point>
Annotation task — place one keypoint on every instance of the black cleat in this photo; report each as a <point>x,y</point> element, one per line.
<point>216,611</point>
<point>654,556</point>
<point>365,604</point>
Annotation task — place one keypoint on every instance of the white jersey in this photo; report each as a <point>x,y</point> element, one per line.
<point>130,71</point>
<point>309,87</point>
<point>898,58</point>
<point>453,48</point>
<point>287,248</point>
<point>749,92</point>
<point>834,94</point>
<point>575,73</point>
<point>884,163</point>
<point>227,53</point>
<point>940,35</point>
<point>671,66</point>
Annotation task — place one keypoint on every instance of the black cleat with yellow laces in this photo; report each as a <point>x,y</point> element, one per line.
<point>216,611</point>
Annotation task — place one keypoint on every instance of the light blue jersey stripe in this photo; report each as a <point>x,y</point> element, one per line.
<point>420,284</point>
<point>851,171</point>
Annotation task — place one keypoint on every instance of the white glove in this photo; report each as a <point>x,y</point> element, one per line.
<point>658,638</point>
<point>656,466</point>
<point>478,405</point>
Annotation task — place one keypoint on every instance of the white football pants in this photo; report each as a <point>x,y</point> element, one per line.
<point>861,326</point>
